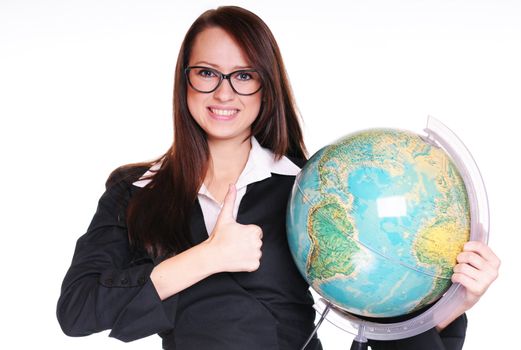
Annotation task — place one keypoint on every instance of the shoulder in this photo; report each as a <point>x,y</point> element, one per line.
<point>119,190</point>
<point>125,175</point>
<point>119,185</point>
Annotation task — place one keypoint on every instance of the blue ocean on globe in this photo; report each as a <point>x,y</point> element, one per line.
<point>375,222</point>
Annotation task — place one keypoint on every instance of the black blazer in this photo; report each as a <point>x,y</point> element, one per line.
<point>108,286</point>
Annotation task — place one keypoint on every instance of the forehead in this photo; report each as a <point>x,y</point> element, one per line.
<point>215,47</point>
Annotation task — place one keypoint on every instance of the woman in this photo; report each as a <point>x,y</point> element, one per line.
<point>192,246</point>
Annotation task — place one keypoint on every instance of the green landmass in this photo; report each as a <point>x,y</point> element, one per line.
<point>331,234</point>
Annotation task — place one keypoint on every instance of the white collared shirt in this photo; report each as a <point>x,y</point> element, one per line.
<point>260,165</point>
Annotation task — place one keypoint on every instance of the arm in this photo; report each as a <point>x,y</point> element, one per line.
<point>106,289</point>
<point>105,286</point>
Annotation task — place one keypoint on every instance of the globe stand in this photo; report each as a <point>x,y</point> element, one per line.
<point>439,136</point>
<point>356,345</point>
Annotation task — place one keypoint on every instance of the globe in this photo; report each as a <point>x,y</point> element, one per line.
<point>375,222</point>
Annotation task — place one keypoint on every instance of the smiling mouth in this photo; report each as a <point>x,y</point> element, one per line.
<point>223,112</point>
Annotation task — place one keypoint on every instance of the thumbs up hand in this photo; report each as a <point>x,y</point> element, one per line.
<point>234,247</point>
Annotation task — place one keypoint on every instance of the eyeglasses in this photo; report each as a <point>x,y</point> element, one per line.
<point>244,82</point>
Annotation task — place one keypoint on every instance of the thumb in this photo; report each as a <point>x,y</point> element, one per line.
<point>229,202</point>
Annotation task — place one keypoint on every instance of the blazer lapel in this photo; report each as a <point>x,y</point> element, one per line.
<point>197,227</point>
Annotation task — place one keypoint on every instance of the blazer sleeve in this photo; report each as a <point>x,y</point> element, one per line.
<point>105,286</point>
<point>450,338</point>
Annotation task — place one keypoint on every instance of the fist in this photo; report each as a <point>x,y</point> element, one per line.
<point>235,247</point>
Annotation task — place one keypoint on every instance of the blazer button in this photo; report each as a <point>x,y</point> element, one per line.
<point>141,280</point>
<point>124,281</point>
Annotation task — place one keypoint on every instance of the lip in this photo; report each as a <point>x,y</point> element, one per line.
<point>223,113</point>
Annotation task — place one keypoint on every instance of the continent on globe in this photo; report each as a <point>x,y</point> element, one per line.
<point>375,222</point>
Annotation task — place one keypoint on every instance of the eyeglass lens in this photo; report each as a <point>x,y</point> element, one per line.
<point>243,82</point>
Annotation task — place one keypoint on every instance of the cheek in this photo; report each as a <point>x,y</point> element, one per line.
<point>193,102</point>
<point>255,104</point>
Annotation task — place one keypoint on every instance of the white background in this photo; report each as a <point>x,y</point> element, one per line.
<point>85,86</point>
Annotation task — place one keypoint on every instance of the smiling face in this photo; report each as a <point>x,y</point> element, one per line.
<point>222,114</point>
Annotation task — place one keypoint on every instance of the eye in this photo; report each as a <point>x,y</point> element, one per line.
<point>243,76</point>
<point>206,73</point>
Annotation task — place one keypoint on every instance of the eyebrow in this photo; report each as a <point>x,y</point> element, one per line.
<point>216,66</point>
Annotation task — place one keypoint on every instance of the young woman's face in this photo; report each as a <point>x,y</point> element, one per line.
<point>222,114</point>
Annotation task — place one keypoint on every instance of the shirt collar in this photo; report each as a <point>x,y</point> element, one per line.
<point>260,165</point>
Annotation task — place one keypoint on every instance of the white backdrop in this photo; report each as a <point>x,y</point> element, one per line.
<point>85,86</point>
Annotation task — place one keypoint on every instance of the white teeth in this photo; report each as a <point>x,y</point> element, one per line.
<point>224,112</point>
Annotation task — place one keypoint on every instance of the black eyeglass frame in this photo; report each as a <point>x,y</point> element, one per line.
<point>222,77</point>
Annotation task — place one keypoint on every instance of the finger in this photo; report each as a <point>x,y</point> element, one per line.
<point>229,203</point>
<point>468,270</point>
<point>255,230</point>
<point>473,259</point>
<point>254,266</point>
<point>483,250</point>
<point>472,286</point>
<point>259,232</point>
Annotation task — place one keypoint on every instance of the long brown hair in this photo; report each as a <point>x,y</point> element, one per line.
<point>158,217</point>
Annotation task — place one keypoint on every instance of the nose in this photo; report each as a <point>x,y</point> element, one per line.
<point>224,92</point>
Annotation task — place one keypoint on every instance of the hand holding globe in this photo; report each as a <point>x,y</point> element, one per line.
<point>477,268</point>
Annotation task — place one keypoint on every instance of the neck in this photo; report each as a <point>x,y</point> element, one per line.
<point>227,158</point>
